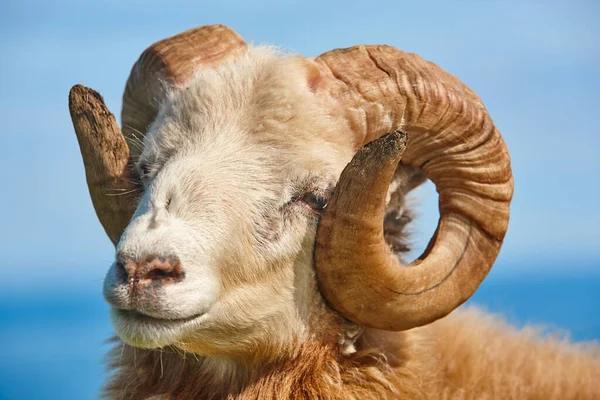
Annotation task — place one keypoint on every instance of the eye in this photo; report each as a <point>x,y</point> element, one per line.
<point>145,171</point>
<point>316,201</point>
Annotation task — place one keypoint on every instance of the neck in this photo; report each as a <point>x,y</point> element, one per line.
<point>328,358</point>
<point>317,370</point>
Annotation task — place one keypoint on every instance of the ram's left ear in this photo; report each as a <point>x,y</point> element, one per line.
<point>313,74</point>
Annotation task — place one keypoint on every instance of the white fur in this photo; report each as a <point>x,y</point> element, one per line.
<point>229,153</point>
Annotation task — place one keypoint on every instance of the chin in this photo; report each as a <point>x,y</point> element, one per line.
<point>140,330</point>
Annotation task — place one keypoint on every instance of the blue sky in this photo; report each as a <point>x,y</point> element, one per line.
<point>535,64</point>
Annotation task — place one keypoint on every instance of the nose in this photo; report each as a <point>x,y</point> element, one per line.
<point>152,269</point>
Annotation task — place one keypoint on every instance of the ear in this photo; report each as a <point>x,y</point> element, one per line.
<point>313,74</point>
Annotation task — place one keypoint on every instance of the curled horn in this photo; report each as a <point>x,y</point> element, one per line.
<point>104,147</point>
<point>415,113</point>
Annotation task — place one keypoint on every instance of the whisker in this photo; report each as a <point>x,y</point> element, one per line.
<point>138,146</point>
<point>161,364</point>
<point>134,130</point>
<point>132,181</point>
<point>135,137</point>
<point>119,189</point>
<point>136,191</point>
<point>122,351</point>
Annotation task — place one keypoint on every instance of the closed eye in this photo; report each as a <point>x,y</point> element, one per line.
<point>316,200</point>
<point>145,172</point>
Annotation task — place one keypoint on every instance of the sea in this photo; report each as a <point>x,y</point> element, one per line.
<point>54,341</point>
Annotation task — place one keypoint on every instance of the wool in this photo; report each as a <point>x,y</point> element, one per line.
<point>467,355</point>
<point>225,163</point>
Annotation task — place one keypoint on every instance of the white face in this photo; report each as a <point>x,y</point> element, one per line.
<point>219,252</point>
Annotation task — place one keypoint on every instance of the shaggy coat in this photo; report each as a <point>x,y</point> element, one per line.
<point>224,166</point>
<point>468,355</point>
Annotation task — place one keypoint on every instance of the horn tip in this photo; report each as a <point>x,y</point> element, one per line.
<point>391,143</point>
<point>82,97</point>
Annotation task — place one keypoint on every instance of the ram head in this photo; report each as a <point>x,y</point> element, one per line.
<point>256,198</point>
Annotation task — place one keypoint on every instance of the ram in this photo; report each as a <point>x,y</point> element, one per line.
<point>257,203</point>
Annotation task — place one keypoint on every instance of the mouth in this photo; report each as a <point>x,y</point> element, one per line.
<point>142,330</point>
<point>145,318</point>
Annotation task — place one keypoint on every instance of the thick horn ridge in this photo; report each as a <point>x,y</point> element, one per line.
<point>453,140</point>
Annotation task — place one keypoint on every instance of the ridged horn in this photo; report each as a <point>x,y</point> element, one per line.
<point>105,158</point>
<point>168,63</point>
<point>451,137</point>
<point>105,151</point>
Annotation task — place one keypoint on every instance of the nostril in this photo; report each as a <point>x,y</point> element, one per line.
<point>161,269</point>
<point>151,269</point>
<point>160,274</point>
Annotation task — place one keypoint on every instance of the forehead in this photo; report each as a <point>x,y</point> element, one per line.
<point>260,105</point>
